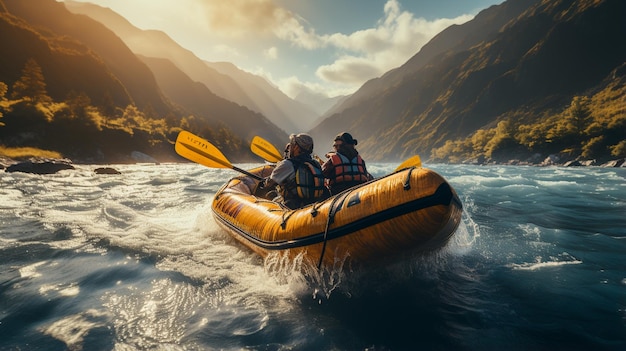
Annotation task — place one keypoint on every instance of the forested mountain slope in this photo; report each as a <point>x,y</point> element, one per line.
<point>69,84</point>
<point>223,79</point>
<point>519,61</point>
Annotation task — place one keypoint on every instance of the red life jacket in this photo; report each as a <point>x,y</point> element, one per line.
<point>347,170</point>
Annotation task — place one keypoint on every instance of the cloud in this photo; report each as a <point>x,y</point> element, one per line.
<point>239,17</point>
<point>350,70</point>
<point>371,52</point>
<point>271,53</point>
<point>292,86</point>
<point>360,56</point>
<point>227,51</point>
<point>241,31</point>
<point>293,31</point>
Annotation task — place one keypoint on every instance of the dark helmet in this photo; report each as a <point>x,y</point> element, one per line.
<point>346,138</point>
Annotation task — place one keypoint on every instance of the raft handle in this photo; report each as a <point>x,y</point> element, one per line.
<point>329,220</point>
<point>407,182</point>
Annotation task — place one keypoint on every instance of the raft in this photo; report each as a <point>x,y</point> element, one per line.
<point>408,211</point>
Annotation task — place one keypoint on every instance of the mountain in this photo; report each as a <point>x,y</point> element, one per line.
<point>515,61</point>
<point>93,79</point>
<point>525,64</point>
<point>223,79</point>
<point>123,64</point>
<point>294,116</point>
<point>317,101</point>
<point>196,98</point>
<point>67,64</point>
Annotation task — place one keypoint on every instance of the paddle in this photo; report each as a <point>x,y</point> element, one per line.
<point>265,149</point>
<point>413,161</point>
<point>201,151</point>
<point>270,153</point>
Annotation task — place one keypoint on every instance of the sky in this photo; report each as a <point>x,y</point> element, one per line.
<point>326,46</point>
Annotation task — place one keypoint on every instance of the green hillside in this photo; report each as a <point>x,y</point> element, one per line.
<point>500,87</point>
<point>70,85</point>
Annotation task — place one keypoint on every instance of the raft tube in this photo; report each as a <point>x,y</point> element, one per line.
<point>408,211</point>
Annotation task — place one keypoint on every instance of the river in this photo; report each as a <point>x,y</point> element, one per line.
<point>136,262</point>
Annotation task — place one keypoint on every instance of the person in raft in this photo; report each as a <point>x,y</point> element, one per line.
<point>298,178</point>
<point>344,168</point>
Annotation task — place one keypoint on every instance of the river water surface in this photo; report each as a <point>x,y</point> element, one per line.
<point>136,262</point>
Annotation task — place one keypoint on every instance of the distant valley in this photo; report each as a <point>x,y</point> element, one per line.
<point>521,81</point>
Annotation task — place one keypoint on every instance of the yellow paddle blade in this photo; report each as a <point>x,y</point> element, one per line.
<point>265,149</point>
<point>414,161</point>
<point>198,150</point>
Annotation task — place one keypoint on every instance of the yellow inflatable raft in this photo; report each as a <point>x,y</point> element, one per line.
<point>408,211</point>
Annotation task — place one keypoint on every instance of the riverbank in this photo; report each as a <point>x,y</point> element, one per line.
<point>550,160</point>
<point>45,165</point>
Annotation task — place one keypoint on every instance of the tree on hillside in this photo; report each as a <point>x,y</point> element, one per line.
<point>79,109</point>
<point>31,84</point>
<point>78,104</point>
<point>133,118</point>
<point>3,91</point>
<point>619,150</point>
<point>567,129</point>
<point>594,147</point>
<point>503,142</point>
<point>579,114</point>
<point>107,106</point>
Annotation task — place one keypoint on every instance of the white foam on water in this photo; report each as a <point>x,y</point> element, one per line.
<point>565,260</point>
<point>73,329</point>
<point>30,271</point>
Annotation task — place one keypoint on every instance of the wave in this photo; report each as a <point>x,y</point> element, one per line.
<point>533,266</point>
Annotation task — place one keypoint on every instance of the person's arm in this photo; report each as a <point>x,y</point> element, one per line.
<point>328,168</point>
<point>280,173</point>
<point>369,176</point>
<point>268,183</point>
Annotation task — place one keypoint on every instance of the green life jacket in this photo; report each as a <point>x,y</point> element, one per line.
<point>308,183</point>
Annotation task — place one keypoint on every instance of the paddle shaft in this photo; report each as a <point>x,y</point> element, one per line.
<point>219,160</point>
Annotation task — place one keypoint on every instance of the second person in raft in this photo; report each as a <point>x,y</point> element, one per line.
<point>298,178</point>
<point>344,168</point>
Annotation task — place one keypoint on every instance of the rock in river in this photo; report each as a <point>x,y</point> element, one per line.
<point>39,167</point>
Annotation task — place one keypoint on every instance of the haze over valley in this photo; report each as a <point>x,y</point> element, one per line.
<point>522,80</point>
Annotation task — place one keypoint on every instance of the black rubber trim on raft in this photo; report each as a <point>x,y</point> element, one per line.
<point>442,196</point>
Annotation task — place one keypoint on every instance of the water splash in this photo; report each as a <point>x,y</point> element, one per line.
<point>72,330</point>
<point>468,231</point>
<point>562,260</point>
<point>303,274</point>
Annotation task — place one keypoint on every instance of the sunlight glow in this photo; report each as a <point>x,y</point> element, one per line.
<point>245,31</point>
